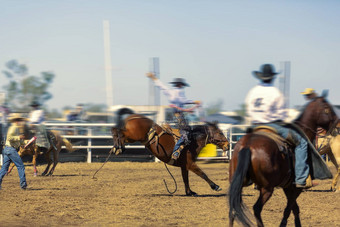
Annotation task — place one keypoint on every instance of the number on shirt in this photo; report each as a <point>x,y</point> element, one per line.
<point>258,102</point>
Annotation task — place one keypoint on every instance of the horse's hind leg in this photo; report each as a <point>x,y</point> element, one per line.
<point>55,162</point>
<point>194,168</point>
<point>265,194</point>
<point>49,162</point>
<point>185,176</point>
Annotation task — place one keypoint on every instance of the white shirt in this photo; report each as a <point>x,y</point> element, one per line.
<point>265,103</point>
<point>175,96</point>
<point>36,116</point>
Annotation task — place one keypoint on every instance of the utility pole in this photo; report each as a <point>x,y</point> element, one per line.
<point>154,93</point>
<point>285,81</point>
<point>108,67</point>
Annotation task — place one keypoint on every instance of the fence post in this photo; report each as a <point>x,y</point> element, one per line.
<point>89,144</point>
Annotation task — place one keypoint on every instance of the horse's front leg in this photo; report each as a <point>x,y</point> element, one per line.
<point>34,162</point>
<point>291,193</point>
<point>335,180</point>
<point>192,166</point>
<point>185,176</point>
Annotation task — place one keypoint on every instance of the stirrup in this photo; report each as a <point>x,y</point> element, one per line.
<point>175,155</point>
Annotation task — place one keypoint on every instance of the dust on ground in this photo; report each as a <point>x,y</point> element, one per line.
<point>133,194</point>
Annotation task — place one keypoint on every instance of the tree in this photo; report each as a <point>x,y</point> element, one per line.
<point>22,88</point>
<point>214,107</point>
<point>242,111</point>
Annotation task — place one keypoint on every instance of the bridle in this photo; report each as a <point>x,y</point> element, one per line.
<point>210,136</point>
<point>332,123</point>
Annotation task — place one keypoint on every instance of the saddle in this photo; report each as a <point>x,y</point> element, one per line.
<point>281,142</point>
<point>286,146</point>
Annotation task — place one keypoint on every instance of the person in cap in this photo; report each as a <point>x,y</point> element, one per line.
<point>178,100</point>
<point>265,104</point>
<point>309,94</point>
<point>10,153</point>
<point>36,119</point>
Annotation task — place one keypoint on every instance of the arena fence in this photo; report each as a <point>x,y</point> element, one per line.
<point>102,131</point>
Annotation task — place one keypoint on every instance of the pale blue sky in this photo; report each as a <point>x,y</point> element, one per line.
<point>214,45</point>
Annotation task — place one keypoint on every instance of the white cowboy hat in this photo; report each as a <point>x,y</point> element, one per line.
<point>16,117</point>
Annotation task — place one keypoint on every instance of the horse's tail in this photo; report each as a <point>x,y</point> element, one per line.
<point>120,116</point>
<point>68,145</point>
<point>236,206</point>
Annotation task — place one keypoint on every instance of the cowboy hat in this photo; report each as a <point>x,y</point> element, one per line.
<point>35,103</point>
<point>266,72</point>
<point>308,91</point>
<point>16,117</point>
<point>181,81</point>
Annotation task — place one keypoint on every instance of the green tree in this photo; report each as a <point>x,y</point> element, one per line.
<point>242,110</point>
<point>23,88</point>
<point>214,107</point>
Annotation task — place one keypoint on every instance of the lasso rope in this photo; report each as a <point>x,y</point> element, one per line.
<point>166,186</point>
<point>107,159</point>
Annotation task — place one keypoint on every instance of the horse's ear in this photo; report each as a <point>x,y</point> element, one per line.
<point>324,93</point>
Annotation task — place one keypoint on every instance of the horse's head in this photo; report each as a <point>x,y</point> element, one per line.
<point>216,136</point>
<point>319,113</point>
<point>118,140</point>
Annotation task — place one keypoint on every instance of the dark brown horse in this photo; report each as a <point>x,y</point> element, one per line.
<point>258,159</point>
<point>35,151</point>
<point>138,128</point>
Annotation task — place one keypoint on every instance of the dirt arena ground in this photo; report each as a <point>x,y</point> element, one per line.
<point>133,194</point>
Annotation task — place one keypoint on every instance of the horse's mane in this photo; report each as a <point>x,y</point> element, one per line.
<point>120,116</point>
<point>198,130</point>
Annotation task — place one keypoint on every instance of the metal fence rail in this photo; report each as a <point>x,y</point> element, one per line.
<point>92,131</point>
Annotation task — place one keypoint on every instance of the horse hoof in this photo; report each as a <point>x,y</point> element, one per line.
<point>217,188</point>
<point>118,151</point>
<point>191,193</point>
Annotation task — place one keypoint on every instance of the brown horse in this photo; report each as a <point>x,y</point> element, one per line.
<point>35,151</point>
<point>138,128</point>
<point>258,159</point>
<point>330,145</point>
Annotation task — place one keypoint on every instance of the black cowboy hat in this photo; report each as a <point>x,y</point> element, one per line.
<point>267,72</point>
<point>179,81</point>
<point>35,103</point>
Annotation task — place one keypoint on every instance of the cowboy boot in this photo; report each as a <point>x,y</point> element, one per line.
<point>175,155</point>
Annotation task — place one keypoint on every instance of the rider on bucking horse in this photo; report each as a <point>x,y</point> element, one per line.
<point>36,119</point>
<point>177,98</point>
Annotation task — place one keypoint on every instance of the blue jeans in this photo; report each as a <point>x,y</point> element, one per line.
<point>10,154</point>
<point>301,155</point>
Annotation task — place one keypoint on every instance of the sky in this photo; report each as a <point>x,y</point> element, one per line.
<point>214,44</point>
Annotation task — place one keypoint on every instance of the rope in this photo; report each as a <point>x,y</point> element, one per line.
<point>166,186</point>
<point>107,159</point>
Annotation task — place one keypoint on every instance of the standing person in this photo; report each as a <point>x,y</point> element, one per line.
<point>177,98</point>
<point>80,112</point>
<point>36,119</point>
<point>4,110</point>
<point>10,153</point>
<point>266,105</point>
